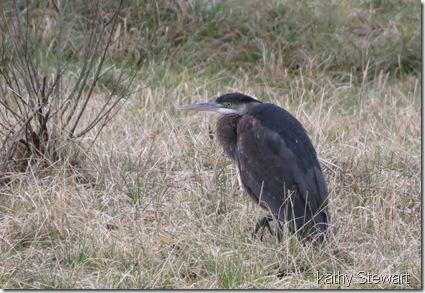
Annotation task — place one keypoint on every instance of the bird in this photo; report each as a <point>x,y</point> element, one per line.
<point>277,163</point>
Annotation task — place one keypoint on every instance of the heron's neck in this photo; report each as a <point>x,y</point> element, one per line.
<point>226,133</point>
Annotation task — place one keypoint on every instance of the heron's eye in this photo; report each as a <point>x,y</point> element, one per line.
<point>228,104</point>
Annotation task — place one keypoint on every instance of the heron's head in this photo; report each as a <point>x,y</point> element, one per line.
<point>233,103</point>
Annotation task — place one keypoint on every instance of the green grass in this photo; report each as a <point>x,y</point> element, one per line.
<point>155,203</point>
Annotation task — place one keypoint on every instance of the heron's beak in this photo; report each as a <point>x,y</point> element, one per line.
<point>205,107</point>
<point>211,107</point>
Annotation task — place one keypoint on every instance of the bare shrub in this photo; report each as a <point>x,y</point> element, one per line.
<point>49,73</point>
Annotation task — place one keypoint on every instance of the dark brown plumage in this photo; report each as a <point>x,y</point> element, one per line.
<point>277,162</point>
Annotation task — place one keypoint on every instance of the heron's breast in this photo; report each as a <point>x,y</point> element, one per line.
<point>227,134</point>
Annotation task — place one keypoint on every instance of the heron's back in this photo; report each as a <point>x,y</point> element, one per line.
<point>279,167</point>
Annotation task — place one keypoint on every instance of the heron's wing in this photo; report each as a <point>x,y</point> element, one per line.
<point>275,157</point>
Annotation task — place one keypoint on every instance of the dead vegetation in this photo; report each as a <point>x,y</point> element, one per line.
<point>148,200</point>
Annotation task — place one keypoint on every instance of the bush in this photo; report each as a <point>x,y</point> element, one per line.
<point>53,62</point>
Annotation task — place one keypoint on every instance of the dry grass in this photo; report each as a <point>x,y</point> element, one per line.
<point>166,210</point>
<point>155,203</point>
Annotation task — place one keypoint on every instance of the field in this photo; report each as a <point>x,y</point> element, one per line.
<point>150,200</point>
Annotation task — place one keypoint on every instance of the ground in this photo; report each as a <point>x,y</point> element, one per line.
<point>153,201</point>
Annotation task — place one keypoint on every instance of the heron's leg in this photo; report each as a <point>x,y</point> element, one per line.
<point>279,229</point>
<point>262,223</point>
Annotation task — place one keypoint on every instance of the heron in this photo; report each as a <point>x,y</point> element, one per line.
<point>277,163</point>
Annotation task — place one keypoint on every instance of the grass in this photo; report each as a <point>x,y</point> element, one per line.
<point>155,203</point>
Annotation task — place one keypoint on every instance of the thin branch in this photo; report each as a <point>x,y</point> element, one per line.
<point>96,76</point>
<point>17,133</point>
<point>82,79</point>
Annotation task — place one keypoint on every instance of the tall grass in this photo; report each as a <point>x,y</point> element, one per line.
<point>155,203</point>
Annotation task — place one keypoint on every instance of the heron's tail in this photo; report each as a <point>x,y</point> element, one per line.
<point>321,225</point>
<point>313,228</point>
